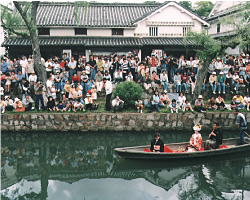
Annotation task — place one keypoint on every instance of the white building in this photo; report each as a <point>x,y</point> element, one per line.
<point>225,9</point>
<point>102,29</point>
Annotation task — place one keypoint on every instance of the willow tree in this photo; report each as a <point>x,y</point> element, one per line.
<point>206,49</point>
<point>22,22</point>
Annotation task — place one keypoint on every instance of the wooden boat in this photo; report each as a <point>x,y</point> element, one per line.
<point>172,151</point>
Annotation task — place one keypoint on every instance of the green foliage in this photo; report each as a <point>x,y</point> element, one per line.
<point>128,91</point>
<point>186,4</point>
<point>240,21</point>
<point>150,2</point>
<point>203,8</point>
<point>11,19</point>
<point>205,45</point>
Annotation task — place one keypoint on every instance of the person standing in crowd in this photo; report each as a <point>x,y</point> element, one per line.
<point>157,145</point>
<point>242,123</point>
<point>215,138</point>
<point>125,69</point>
<point>39,88</point>
<point>99,81</point>
<point>108,88</point>
<point>72,68</point>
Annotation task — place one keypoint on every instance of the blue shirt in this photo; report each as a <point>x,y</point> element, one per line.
<point>19,77</point>
<point>3,67</point>
<point>156,99</point>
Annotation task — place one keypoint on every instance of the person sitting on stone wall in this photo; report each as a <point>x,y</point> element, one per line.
<point>8,103</point>
<point>187,106</point>
<point>173,106</point>
<point>139,105</point>
<point>157,103</point>
<point>147,82</point>
<point>18,105</point>
<point>27,102</point>
<point>164,98</point>
<point>211,104</point>
<point>117,104</point>
<point>118,76</point>
<point>51,104</point>
<point>148,104</point>
<point>88,102</point>
<point>78,106</point>
<point>60,107</point>
<point>70,105</point>
<point>220,103</point>
<point>199,104</point>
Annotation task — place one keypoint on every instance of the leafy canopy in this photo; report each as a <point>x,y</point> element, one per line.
<point>128,91</point>
<point>203,8</point>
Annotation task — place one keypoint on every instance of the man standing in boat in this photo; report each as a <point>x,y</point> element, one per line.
<point>215,138</point>
<point>157,145</point>
<point>242,122</point>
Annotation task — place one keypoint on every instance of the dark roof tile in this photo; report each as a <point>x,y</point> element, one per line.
<point>100,41</point>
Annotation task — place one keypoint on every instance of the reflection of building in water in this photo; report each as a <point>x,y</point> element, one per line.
<point>71,159</point>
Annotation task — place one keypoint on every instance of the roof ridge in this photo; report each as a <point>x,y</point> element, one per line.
<point>101,4</point>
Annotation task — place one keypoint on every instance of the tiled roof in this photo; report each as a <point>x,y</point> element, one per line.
<point>94,15</point>
<point>100,41</point>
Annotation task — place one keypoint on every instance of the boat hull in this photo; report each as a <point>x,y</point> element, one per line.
<point>139,153</point>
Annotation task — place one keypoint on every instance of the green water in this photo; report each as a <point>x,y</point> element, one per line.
<point>59,166</point>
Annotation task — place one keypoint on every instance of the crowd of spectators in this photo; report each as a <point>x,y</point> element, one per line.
<point>75,84</point>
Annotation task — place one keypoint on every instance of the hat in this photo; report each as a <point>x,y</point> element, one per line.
<point>16,99</point>
<point>197,127</point>
<point>200,97</point>
<point>234,97</point>
<point>29,59</point>
<point>214,73</point>
<point>247,54</point>
<point>83,71</point>
<point>6,97</point>
<point>83,57</point>
<point>93,86</point>
<point>218,58</point>
<point>221,73</point>
<point>88,95</point>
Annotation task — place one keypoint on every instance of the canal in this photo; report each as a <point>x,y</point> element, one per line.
<point>83,166</point>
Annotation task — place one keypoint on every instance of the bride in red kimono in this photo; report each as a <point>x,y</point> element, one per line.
<point>195,141</point>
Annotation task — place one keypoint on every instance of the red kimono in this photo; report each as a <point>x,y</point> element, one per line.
<point>196,141</point>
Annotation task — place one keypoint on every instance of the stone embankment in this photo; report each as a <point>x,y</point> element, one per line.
<point>30,122</point>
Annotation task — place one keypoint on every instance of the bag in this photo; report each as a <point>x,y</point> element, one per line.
<point>157,81</point>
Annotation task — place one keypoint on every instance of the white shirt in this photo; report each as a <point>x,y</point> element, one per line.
<point>33,78</point>
<point>10,102</point>
<point>181,100</point>
<point>108,87</point>
<point>88,101</point>
<point>47,65</point>
<point>77,104</point>
<point>72,65</point>
<point>164,77</point>
<point>246,99</point>
<point>49,84</point>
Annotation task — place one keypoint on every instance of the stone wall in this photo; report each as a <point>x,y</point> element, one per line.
<point>115,122</point>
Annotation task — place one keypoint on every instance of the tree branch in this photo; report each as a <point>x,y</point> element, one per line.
<point>23,15</point>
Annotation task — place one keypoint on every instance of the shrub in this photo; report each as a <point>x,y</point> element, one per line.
<point>128,91</point>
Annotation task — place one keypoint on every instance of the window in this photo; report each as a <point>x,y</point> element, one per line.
<point>80,31</point>
<point>185,31</point>
<point>117,31</point>
<point>43,31</point>
<point>153,31</point>
<point>218,28</point>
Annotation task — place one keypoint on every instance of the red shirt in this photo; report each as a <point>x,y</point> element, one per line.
<point>75,78</point>
<point>62,64</point>
<point>184,78</point>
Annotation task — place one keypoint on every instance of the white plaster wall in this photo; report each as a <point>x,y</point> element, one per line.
<point>228,4</point>
<point>223,27</point>
<point>170,13</point>
<point>2,49</point>
<point>236,51</point>
<point>128,32</point>
<point>62,32</point>
<point>99,32</point>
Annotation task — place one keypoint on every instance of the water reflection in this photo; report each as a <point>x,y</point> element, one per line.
<point>78,166</point>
